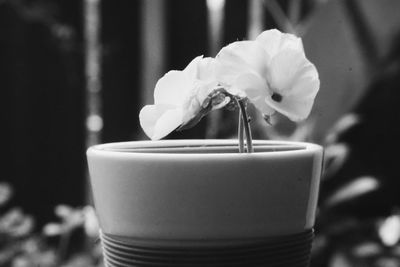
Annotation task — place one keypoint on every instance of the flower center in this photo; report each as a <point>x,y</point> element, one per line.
<point>277,97</point>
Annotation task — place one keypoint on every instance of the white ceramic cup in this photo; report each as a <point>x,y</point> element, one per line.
<point>198,190</point>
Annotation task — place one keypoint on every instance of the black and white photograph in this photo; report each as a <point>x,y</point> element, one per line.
<point>200,133</point>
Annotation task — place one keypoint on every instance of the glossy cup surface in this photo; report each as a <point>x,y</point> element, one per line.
<point>195,190</point>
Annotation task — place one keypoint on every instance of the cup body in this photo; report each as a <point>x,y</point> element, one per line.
<point>203,193</point>
<point>153,190</point>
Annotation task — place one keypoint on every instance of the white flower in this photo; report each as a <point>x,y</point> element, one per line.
<point>272,71</point>
<point>178,98</point>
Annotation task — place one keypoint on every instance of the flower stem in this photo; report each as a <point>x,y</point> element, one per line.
<point>246,124</point>
<point>240,132</point>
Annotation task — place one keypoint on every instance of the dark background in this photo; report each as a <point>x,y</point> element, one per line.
<point>354,44</point>
<point>43,87</point>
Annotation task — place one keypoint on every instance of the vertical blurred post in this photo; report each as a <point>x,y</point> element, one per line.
<point>92,26</point>
<point>94,120</point>
<point>153,46</point>
<point>256,19</point>
<point>215,21</point>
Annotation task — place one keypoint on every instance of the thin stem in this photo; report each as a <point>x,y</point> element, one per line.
<point>246,124</point>
<point>240,132</point>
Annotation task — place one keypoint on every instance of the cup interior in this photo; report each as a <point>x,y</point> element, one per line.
<point>194,148</point>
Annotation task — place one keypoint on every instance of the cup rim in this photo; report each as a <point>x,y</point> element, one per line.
<point>201,148</point>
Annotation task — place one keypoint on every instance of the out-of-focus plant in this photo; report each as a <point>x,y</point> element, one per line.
<point>346,237</point>
<point>358,223</point>
<point>22,246</point>
<point>71,221</point>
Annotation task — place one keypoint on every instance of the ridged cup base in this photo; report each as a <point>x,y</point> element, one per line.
<point>281,251</point>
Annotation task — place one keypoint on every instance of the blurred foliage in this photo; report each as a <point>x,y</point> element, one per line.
<point>358,222</point>
<point>349,230</point>
<point>56,245</point>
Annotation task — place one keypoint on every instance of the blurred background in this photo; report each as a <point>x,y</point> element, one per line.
<point>76,73</point>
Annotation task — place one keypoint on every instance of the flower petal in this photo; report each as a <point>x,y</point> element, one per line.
<point>158,121</point>
<point>294,109</point>
<point>240,57</point>
<point>168,122</point>
<point>273,41</point>
<point>206,69</point>
<point>191,69</point>
<point>297,105</point>
<point>287,69</point>
<point>203,90</point>
<point>172,88</point>
<point>255,89</point>
<point>201,69</point>
<point>296,80</point>
<point>307,85</point>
